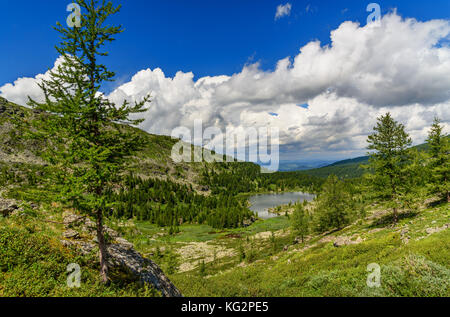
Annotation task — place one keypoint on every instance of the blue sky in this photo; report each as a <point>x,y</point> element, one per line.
<point>206,37</point>
<point>234,65</point>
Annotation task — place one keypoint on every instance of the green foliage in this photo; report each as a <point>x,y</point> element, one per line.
<point>170,204</point>
<point>85,142</point>
<point>33,264</point>
<point>417,269</point>
<point>171,261</point>
<point>300,221</point>
<point>333,202</point>
<point>344,169</point>
<point>415,275</point>
<point>202,269</point>
<point>85,134</point>
<point>242,177</point>
<point>389,161</point>
<point>439,162</point>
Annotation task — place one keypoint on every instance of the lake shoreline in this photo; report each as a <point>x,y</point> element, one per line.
<point>261,204</point>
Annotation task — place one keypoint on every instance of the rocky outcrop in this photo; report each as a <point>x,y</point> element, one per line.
<point>121,253</point>
<point>71,234</point>
<point>7,207</point>
<point>437,229</point>
<point>341,241</point>
<point>404,235</point>
<point>124,255</point>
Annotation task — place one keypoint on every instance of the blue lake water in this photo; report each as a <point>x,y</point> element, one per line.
<point>261,203</point>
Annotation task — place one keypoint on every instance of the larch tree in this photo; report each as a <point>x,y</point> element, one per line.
<point>89,138</point>
<point>439,165</point>
<point>389,161</point>
<point>300,221</point>
<point>332,209</point>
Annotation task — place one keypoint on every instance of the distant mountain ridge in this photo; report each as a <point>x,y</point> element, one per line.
<point>290,166</point>
<point>350,168</point>
<point>361,160</point>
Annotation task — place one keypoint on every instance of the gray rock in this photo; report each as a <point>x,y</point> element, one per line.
<point>121,253</point>
<point>146,270</point>
<point>71,234</point>
<point>124,243</point>
<point>342,241</point>
<point>7,206</point>
<point>72,219</point>
<point>84,247</point>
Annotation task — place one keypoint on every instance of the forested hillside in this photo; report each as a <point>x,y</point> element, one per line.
<point>154,188</point>
<point>350,168</point>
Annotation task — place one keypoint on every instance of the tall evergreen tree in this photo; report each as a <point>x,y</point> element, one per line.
<point>300,221</point>
<point>389,161</point>
<point>439,150</point>
<point>89,138</point>
<point>332,210</point>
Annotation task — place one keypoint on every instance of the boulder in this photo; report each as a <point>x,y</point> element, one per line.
<point>146,270</point>
<point>71,219</point>
<point>7,206</point>
<point>121,253</point>
<point>342,241</point>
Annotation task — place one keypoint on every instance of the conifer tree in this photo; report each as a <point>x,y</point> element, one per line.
<point>300,221</point>
<point>88,137</point>
<point>332,205</point>
<point>389,161</point>
<point>439,165</point>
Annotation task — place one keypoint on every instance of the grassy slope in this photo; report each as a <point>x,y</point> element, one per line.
<point>317,268</point>
<point>33,262</point>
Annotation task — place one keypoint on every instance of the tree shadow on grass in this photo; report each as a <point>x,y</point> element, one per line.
<point>437,202</point>
<point>389,219</point>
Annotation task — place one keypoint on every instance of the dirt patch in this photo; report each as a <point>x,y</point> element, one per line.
<point>195,252</point>
<point>263,235</point>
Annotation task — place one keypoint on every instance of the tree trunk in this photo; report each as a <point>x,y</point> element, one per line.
<point>103,254</point>
<point>395,215</point>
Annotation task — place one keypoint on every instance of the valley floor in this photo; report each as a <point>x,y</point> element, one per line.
<point>259,260</point>
<point>263,260</point>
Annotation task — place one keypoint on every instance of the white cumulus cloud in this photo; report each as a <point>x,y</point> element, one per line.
<point>401,66</point>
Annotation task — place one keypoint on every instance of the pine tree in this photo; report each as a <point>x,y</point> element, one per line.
<point>332,207</point>
<point>439,165</point>
<point>300,221</point>
<point>89,138</point>
<point>389,161</point>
